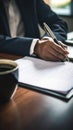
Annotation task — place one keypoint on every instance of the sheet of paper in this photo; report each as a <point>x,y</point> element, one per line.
<point>70,49</point>
<point>70,35</point>
<point>44,74</point>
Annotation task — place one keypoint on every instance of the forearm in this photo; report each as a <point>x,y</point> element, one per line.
<point>17,46</point>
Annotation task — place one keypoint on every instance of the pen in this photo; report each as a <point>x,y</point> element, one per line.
<point>49,31</point>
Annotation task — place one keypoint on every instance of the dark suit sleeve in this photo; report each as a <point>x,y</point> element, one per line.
<point>17,46</point>
<point>58,26</point>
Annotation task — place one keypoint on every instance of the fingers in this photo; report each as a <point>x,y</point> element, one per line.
<point>63,45</point>
<point>49,50</point>
<point>52,54</point>
<point>59,48</point>
<point>56,52</point>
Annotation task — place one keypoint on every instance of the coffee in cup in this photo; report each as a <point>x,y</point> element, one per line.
<point>8,79</point>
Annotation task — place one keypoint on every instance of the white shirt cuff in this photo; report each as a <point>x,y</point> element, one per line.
<point>32,46</point>
<point>46,37</point>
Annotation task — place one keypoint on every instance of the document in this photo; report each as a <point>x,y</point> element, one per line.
<point>69,40</point>
<point>53,78</point>
<point>70,55</point>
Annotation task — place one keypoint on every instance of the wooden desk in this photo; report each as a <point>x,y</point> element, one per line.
<point>34,111</point>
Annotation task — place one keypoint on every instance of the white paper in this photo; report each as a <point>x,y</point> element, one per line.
<point>70,35</point>
<point>44,74</point>
<point>70,49</point>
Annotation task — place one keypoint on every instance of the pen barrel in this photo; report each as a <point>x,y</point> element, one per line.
<point>56,41</point>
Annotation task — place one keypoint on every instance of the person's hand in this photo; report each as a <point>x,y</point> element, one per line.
<point>47,49</point>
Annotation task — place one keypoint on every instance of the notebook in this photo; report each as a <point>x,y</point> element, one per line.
<point>51,78</point>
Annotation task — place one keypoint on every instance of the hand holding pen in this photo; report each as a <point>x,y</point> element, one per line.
<point>49,31</point>
<point>50,48</point>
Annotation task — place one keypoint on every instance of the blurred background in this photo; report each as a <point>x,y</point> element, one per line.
<point>64,8</point>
